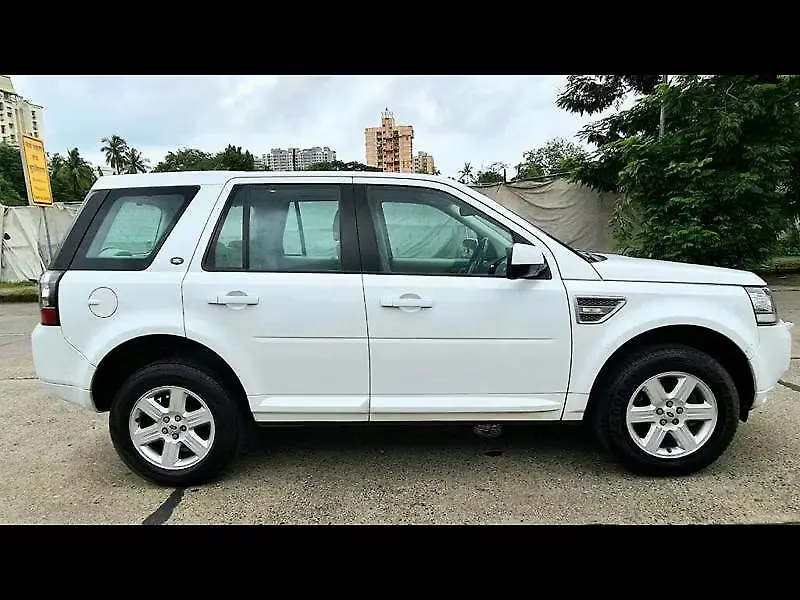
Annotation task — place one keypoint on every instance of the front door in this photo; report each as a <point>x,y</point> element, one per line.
<point>451,338</point>
<point>275,289</point>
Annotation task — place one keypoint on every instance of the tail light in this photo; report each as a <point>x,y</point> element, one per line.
<point>48,297</point>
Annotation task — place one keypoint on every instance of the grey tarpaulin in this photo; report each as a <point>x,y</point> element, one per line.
<point>573,214</point>
<point>24,250</point>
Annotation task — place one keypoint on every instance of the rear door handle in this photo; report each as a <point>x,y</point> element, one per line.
<point>406,302</point>
<point>235,300</point>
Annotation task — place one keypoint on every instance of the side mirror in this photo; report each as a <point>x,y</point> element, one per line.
<point>525,262</point>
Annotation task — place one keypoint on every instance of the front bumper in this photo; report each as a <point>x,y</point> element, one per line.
<point>771,359</point>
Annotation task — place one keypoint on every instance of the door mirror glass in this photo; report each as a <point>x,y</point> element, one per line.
<point>525,262</point>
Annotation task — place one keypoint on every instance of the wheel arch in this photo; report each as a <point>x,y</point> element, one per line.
<point>713,343</point>
<point>135,353</point>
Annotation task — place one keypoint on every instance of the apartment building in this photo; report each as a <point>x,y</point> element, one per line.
<point>295,159</point>
<point>423,163</point>
<point>18,116</point>
<point>390,147</point>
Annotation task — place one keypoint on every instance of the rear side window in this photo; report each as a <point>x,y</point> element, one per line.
<point>130,227</point>
<point>278,228</point>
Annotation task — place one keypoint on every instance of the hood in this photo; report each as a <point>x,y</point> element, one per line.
<point>626,268</point>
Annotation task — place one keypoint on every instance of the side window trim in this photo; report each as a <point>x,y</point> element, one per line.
<point>349,243</point>
<point>87,212</point>
<point>82,263</point>
<point>368,235</point>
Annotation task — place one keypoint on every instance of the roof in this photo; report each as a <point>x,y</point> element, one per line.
<point>6,85</point>
<point>222,177</point>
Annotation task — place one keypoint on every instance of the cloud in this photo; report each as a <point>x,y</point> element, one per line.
<point>458,119</point>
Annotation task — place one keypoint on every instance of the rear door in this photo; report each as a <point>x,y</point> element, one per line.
<point>275,289</point>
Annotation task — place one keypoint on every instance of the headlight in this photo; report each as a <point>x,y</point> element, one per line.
<point>763,305</point>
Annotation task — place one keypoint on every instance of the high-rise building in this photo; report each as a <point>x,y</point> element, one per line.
<point>390,147</point>
<point>423,163</point>
<point>18,117</point>
<point>295,159</point>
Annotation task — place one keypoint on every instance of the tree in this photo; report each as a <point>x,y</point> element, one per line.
<point>11,169</point>
<point>557,156</point>
<point>491,174</point>
<point>465,174</point>
<point>8,195</point>
<point>56,163</point>
<point>185,159</point>
<point>233,159</point>
<point>78,175</point>
<point>115,148</point>
<point>133,162</point>
<point>722,181</point>
<point>338,165</point>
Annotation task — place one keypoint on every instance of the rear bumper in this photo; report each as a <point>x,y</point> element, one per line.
<point>71,394</point>
<point>64,372</point>
<point>771,359</point>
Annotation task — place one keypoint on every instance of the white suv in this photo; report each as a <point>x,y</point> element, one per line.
<point>191,305</point>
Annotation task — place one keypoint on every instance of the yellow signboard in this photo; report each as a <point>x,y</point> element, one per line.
<point>37,175</point>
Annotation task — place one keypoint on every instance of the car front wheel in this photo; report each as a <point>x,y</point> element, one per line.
<point>173,424</point>
<point>670,410</point>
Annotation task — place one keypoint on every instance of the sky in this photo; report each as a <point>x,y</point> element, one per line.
<point>458,119</point>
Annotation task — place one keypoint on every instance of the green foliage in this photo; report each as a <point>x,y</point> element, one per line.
<point>71,177</point>
<point>185,159</point>
<point>590,94</point>
<point>8,195</point>
<point>338,165</point>
<point>115,148</point>
<point>491,174</point>
<point>465,175</point>
<point>233,159</point>
<point>555,157</point>
<point>133,162</point>
<point>721,183</point>
<point>11,172</point>
<point>122,157</point>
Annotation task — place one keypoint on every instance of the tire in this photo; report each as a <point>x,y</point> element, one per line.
<point>711,433</point>
<point>216,442</point>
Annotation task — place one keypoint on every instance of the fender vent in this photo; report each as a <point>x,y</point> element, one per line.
<point>591,310</point>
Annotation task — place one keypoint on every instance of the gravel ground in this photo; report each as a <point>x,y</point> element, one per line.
<point>59,467</point>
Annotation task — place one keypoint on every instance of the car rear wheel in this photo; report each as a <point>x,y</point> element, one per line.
<point>173,424</point>
<point>670,410</point>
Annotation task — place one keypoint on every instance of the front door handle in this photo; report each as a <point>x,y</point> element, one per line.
<point>406,301</point>
<point>234,299</point>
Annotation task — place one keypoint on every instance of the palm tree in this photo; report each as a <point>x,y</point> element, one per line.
<point>56,163</point>
<point>79,172</point>
<point>465,175</point>
<point>115,148</point>
<point>133,162</point>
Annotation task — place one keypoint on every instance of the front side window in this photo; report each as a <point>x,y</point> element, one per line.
<point>429,232</point>
<point>130,227</point>
<point>279,228</point>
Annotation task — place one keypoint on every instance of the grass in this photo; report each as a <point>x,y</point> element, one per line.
<point>781,265</point>
<point>23,291</point>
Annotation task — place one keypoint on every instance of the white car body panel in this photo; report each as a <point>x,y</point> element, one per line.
<point>323,347</point>
<point>147,302</point>
<point>625,268</point>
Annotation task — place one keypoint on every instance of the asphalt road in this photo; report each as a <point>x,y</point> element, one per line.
<point>59,466</point>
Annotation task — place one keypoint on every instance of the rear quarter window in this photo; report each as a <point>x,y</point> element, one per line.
<point>130,227</point>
